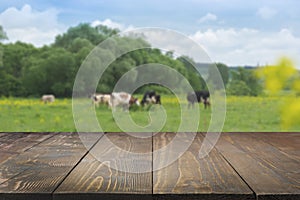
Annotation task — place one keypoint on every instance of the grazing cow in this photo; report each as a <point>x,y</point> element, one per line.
<point>198,96</point>
<point>101,99</point>
<point>150,97</point>
<point>48,98</point>
<point>123,99</point>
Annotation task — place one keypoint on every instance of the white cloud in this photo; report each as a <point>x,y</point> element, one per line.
<point>108,23</point>
<point>28,25</point>
<point>234,47</point>
<point>112,24</point>
<point>266,13</point>
<point>248,46</point>
<point>208,17</point>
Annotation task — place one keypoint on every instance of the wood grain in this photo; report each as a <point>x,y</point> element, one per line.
<point>12,144</point>
<point>14,165</point>
<point>104,179</point>
<point>20,142</point>
<point>287,143</point>
<point>92,166</point>
<point>201,178</point>
<point>4,156</point>
<point>267,170</point>
<point>38,171</point>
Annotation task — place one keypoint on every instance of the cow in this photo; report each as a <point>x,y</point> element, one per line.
<point>123,99</point>
<point>101,99</point>
<point>150,97</point>
<point>48,98</point>
<point>198,96</point>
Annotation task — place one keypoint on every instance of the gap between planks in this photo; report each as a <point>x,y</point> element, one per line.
<point>232,167</point>
<point>88,151</point>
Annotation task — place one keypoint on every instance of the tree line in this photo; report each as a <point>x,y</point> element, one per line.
<point>28,71</point>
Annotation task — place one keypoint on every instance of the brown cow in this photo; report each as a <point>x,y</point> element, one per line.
<point>123,99</point>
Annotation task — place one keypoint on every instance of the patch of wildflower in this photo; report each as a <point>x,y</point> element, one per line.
<point>278,77</point>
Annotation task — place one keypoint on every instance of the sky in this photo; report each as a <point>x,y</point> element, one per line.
<point>235,32</point>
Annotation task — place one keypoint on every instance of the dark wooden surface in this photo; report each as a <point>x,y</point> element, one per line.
<point>259,159</point>
<point>191,174</point>
<point>60,166</point>
<point>92,176</point>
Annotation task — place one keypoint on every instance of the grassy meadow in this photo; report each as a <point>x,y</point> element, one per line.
<point>253,114</point>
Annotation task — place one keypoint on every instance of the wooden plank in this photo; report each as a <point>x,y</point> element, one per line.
<point>3,134</point>
<point>268,163</point>
<point>38,182</point>
<point>93,179</point>
<point>10,159</point>
<point>64,140</point>
<point>268,171</point>
<point>7,142</point>
<point>4,156</point>
<point>37,172</point>
<point>15,165</point>
<point>37,137</point>
<point>287,143</point>
<point>191,177</point>
<point>89,139</point>
<point>12,136</point>
<point>20,142</point>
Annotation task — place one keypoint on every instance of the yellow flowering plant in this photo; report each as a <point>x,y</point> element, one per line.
<point>280,76</point>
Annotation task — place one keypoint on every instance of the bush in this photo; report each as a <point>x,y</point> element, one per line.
<point>238,88</point>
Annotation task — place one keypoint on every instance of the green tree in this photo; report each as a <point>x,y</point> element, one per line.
<point>193,76</point>
<point>249,78</point>
<point>10,85</point>
<point>14,55</point>
<point>238,88</point>
<point>34,76</point>
<point>84,31</point>
<point>27,70</point>
<point>11,69</point>
<point>78,43</point>
<point>53,74</point>
<point>59,68</point>
<point>104,30</point>
<point>224,72</point>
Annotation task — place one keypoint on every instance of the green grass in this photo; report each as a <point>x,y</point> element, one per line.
<point>254,114</point>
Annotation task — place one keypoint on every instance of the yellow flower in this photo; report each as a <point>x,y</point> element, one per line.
<point>296,85</point>
<point>276,76</point>
<point>290,114</point>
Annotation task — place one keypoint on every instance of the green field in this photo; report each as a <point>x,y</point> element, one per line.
<point>254,114</point>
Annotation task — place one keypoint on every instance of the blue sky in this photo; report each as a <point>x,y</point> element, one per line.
<point>236,32</point>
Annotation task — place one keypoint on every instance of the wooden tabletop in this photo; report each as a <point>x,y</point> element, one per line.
<point>125,166</point>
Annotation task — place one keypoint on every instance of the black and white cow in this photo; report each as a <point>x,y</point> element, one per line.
<point>101,99</point>
<point>150,97</point>
<point>198,96</point>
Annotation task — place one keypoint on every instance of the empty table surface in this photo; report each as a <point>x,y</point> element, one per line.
<point>149,166</point>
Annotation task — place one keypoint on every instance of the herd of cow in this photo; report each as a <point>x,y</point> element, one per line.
<point>125,100</point>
